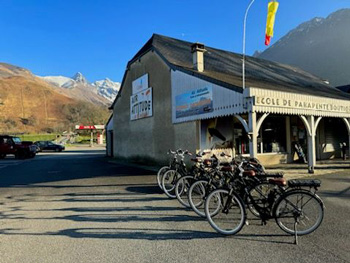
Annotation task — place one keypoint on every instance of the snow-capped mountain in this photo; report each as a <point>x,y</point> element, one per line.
<point>319,46</point>
<point>79,78</point>
<point>105,89</point>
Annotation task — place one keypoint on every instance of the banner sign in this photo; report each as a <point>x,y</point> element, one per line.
<point>140,84</point>
<point>89,127</point>
<point>195,102</point>
<point>141,105</point>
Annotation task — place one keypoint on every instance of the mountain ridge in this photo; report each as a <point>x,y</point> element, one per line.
<point>106,89</point>
<point>30,104</point>
<point>319,46</point>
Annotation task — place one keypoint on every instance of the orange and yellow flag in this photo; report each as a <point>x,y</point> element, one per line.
<point>271,14</point>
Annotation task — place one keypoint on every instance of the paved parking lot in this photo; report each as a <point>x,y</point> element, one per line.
<point>80,207</point>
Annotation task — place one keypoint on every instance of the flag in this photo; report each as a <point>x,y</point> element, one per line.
<point>271,14</point>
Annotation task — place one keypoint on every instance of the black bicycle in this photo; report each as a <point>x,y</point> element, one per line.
<point>297,209</point>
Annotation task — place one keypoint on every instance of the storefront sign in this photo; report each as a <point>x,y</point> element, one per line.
<point>297,104</point>
<point>89,127</point>
<point>195,102</point>
<point>140,84</point>
<point>141,105</point>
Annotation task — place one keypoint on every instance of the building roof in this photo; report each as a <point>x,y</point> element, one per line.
<point>345,88</point>
<point>225,69</point>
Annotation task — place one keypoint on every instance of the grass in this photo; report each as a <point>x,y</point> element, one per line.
<point>81,139</point>
<point>37,137</point>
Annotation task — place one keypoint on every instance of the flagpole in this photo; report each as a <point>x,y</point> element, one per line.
<point>244,29</point>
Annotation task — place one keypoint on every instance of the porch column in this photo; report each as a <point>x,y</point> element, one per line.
<point>311,149</point>
<point>311,127</point>
<point>253,133</point>
<point>288,141</point>
<point>347,124</point>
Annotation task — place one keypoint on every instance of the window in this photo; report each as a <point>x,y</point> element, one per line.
<point>272,135</point>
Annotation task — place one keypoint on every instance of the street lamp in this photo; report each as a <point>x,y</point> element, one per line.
<point>244,27</point>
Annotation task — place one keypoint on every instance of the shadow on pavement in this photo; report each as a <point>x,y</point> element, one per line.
<point>65,169</point>
<point>340,194</point>
<point>149,189</point>
<point>122,233</point>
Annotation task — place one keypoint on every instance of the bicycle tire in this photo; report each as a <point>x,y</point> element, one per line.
<point>226,222</point>
<point>302,205</point>
<point>197,195</point>
<point>160,174</point>
<point>168,183</point>
<point>181,189</point>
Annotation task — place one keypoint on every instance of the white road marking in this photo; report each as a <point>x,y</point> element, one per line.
<point>5,163</point>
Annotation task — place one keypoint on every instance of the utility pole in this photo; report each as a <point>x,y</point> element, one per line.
<point>244,29</point>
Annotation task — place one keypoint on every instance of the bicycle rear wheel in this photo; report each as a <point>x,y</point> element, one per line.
<point>168,182</point>
<point>225,212</point>
<point>302,207</point>
<point>181,189</point>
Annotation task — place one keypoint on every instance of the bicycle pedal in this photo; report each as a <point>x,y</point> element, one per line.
<point>247,223</point>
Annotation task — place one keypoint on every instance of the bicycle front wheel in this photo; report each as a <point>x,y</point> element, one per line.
<point>168,182</point>
<point>160,174</point>
<point>181,189</point>
<point>225,212</point>
<point>197,195</point>
<point>302,208</point>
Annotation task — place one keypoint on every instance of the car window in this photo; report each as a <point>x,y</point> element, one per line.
<point>16,140</point>
<point>50,143</point>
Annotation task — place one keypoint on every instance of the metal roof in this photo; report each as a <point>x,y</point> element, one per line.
<point>225,68</point>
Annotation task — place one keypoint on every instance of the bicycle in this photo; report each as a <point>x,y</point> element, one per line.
<point>221,176</point>
<point>164,169</point>
<point>184,182</point>
<point>170,177</point>
<point>296,210</point>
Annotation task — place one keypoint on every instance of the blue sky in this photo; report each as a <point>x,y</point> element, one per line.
<point>98,38</point>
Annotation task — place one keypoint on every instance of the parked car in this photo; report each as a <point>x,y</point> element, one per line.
<point>14,145</point>
<point>49,146</point>
<point>37,149</point>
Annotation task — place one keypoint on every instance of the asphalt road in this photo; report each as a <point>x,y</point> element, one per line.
<point>77,206</point>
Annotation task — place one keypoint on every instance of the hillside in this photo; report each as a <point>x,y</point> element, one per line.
<point>29,104</point>
<point>319,46</point>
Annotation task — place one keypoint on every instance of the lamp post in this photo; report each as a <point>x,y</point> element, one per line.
<point>244,27</point>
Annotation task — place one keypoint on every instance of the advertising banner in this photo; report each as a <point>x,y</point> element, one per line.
<point>141,105</point>
<point>195,102</point>
<point>140,84</point>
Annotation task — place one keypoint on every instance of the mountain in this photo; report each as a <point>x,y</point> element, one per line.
<point>319,46</point>
<point>99,92</point>
<point>107,88</point>
<point>30,104</point>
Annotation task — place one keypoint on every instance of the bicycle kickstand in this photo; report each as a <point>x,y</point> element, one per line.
<point>295,233</point>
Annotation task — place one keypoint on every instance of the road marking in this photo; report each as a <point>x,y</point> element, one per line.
<point>6,163</point>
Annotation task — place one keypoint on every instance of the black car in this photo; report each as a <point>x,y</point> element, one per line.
<point>49,146</point>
